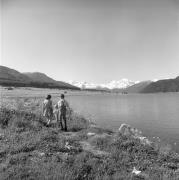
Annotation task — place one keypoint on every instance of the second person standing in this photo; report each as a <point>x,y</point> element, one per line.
<point>63,106</point>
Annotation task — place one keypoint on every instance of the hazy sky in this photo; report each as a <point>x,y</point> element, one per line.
<point>92,40</point>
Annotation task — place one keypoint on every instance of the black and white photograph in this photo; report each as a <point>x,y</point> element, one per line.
<point>89,89</point>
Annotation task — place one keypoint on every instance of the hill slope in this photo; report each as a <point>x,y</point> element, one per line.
<point>39,77</point>
<point>42,78</point>
<point>11,77</point>
<point>137,88</point>
<point>167,85</point>
<point>64,84</point>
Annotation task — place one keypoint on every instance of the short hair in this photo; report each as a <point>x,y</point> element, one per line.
<point>62,96</point>
<point>48,96</point>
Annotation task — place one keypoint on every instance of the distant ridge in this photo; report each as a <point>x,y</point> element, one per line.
<point>39,77</point>
<point>138,88</point>
<point>11,77</point>
<point>166,85</point>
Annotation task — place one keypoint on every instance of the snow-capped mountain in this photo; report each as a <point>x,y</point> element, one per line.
<point>83,85</point>
<point>121,84</point>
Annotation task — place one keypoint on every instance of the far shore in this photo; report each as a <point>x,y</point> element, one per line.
<point>42,92</point>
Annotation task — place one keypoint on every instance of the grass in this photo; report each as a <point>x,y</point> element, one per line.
<point>30,150</point>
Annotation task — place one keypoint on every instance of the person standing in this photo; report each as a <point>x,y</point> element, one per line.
<point>63,106</point>
<point>47,109</point>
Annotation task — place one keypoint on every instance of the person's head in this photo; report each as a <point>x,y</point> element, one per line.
<point>62,96</point>
<point>48,97</point>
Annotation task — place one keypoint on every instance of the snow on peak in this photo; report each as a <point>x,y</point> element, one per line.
<point>121,84</point>
<point>154,80</point>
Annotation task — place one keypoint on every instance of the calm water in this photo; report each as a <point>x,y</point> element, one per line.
<point>157,115</point>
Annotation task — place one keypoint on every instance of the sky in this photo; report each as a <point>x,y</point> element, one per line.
<point>91,40</point>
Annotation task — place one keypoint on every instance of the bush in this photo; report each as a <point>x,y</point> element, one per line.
<point>76,122</point>
<point>6,116</point>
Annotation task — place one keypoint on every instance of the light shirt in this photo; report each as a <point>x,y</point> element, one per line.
<point>63,102</point>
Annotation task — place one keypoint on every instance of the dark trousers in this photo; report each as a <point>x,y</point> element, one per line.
<point>63,118</point>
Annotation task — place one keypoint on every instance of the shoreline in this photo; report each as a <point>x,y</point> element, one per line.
<point>86,151</point>
<point>32,97</point>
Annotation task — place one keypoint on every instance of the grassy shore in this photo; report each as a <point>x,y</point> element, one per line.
<point>30,150</point>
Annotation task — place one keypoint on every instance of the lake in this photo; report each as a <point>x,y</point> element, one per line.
<point>156,115</point>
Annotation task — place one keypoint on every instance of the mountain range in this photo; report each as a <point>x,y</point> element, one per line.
<point>127,86</point>
<point>11,77</point>
<point>121,84</point>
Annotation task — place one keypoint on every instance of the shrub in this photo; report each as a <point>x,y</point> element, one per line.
<point>76,122</point>
<point>6,116</point>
